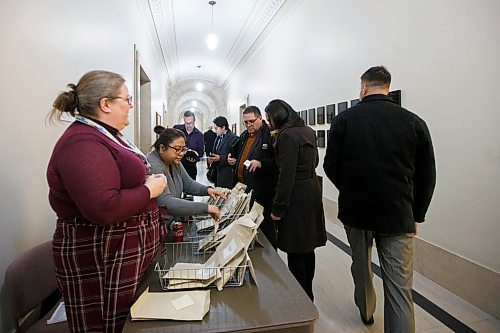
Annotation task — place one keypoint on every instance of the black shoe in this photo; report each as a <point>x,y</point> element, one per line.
<point>368,322</point>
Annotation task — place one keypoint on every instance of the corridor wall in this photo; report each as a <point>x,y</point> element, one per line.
<point>44,46</point>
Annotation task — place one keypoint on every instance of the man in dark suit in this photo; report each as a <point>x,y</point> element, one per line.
<point>380,158</point>
<point>225,142</point>
<point>256,166</point>
<point>209,139</point>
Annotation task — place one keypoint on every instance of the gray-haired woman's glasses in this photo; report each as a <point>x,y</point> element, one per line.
<point>128,99</point>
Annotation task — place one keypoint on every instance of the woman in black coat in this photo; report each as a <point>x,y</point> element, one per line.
<point>225,143</point>
<point>297,205</point>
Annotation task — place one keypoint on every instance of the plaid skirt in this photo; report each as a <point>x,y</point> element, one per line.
<point>98,268</point>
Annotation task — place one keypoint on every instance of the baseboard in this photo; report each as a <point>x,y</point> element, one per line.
<point>466,279</point>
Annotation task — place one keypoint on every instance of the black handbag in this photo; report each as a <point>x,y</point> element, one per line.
<point>212,173</point>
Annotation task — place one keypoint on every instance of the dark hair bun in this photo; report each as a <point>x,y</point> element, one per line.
<point>158,129</point>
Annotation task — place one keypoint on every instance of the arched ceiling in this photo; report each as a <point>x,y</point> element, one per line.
<point>206,104</point>
<point>181,27</point>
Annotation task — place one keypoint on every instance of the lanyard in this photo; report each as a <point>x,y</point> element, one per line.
<point>131,147</point>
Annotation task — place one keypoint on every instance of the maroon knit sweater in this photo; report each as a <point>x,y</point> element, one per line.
<point>93,177</point>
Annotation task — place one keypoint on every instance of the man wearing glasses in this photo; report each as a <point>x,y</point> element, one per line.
<point>194,141</point>
<point>256,166</point>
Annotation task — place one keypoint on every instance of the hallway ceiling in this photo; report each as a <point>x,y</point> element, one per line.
<point>181,27</point>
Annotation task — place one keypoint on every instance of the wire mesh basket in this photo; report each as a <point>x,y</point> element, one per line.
<point>186,267</point>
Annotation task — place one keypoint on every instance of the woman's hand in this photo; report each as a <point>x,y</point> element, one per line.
<point>275,218</point>
<point>156,183</point>
<point>214,212</point>
<point>213,193</point>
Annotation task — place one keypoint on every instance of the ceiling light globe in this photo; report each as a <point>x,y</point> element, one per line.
<point>212,41</point>
<point>199,86</point>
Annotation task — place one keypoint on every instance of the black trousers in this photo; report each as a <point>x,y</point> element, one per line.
<point>302,266</point>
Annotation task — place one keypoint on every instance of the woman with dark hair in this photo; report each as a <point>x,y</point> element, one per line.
<point>165,159</point>
<point>225,143</point>
<point>107,219</point>
<point>297,205</point>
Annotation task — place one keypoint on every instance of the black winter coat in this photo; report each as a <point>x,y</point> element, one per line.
<point>380,157</point>
<point>298,196</point>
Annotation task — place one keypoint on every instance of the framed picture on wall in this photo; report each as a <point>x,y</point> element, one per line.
<point>330,113</point>
<point>354,101</point>
<point>158,119</point>
<point>396,96</point>
<point>320,115</point>
<point>311,116</point>
<point>321,138</point>
<point>341,107</point>
<point>303,115</point>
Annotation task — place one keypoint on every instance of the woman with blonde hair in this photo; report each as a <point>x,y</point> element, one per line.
<point>107,218</point>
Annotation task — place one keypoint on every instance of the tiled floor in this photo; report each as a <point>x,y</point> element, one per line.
<point>333,288</point>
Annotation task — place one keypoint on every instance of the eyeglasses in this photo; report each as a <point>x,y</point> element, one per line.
<point>179,150</point>
<point>189,124</point>
<point>129,99</point>
<point>250,122</point>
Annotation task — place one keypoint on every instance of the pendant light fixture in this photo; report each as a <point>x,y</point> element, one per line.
<point>199,85</point>
<point>212,39</point>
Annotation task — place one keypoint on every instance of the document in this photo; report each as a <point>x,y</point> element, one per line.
<point>179,305</point>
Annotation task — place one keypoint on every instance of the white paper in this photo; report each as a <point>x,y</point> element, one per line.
<point>229,249</point>
<point>246,163</point>
<point>59,315</point>
<point>160,306</point>
<point>189,271</point>
<point>182,302</point>
<point>245,221</point>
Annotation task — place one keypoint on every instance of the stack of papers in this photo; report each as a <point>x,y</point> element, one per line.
<point>235,206</point>
<point>229,261</point>
<point>218,201</point>
<point>181,305</point>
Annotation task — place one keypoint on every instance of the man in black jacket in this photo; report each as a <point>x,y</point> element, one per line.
<point>255,165</point>
<point>380,158</point>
